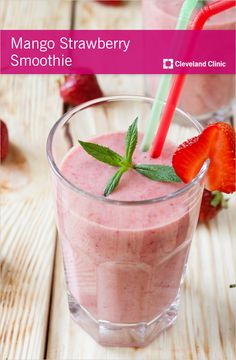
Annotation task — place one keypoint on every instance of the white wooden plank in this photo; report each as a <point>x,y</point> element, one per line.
<point>92,15</point>
<point>29,105</point>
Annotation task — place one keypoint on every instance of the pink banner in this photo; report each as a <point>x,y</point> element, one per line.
<point>117,52</point>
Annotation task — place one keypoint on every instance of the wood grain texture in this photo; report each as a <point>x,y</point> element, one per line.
<point>29,105</point>
<point>92,15</point>
<point>205,328</point>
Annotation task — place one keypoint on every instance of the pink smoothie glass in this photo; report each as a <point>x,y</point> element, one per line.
<point>124,260</point>
<point>207,97</point>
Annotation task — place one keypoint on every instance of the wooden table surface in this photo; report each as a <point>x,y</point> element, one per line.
<point>34,318</point>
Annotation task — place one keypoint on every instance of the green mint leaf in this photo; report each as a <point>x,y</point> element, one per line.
<point>162,173</point>
<point>114,181</point>
<point>102,153</point>
<point>131,140</point>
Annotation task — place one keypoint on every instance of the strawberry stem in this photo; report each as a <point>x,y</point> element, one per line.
<point>60,80</point>
<point>217,198</point>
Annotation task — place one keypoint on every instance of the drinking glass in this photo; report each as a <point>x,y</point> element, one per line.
<point>124,260</point>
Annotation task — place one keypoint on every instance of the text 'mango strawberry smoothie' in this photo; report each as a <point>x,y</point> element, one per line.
<point>124,254</point>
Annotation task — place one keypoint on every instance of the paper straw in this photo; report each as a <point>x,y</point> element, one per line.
<point>204,14</point>
<point>165,80</point>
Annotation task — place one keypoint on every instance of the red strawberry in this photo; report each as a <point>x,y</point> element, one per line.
<point>212,203</point>
<point>4,140</point>
<point>111,2</point>
<point>78,89</point>
<point>217,143</point>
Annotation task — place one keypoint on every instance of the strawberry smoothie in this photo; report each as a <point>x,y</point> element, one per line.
<point>124,262</point>
<point>202,94</point>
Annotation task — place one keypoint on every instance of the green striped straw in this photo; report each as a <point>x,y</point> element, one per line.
<point>165,80</point>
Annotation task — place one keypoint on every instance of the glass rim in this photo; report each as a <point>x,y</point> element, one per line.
<point>68,115</point>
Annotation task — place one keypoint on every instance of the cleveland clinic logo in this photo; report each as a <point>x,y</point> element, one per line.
<point>171,64</point>
<point>168,63</point>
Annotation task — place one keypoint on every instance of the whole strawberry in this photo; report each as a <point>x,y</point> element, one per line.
<point>111,2</point>
<point>212,203</point>
<point>4,140</point>
<point>77,89</point>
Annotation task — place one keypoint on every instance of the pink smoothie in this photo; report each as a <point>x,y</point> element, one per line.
<point>123,263</point>
<point>202,94</point>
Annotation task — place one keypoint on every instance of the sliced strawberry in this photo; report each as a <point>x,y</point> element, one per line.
<point>222,170</point>
<point>4,140</point>
<point>78,89</point>
<point>217,143</point>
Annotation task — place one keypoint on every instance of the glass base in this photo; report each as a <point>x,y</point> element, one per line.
<point>123,335</point>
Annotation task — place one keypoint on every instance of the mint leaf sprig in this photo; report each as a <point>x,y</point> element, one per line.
<point>163,173</point>
<point>102,153</point>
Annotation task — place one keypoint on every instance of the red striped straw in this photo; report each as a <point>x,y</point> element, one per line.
<point>202,16</point>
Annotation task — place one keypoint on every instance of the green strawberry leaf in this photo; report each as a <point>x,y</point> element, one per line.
<point>217,197</point>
